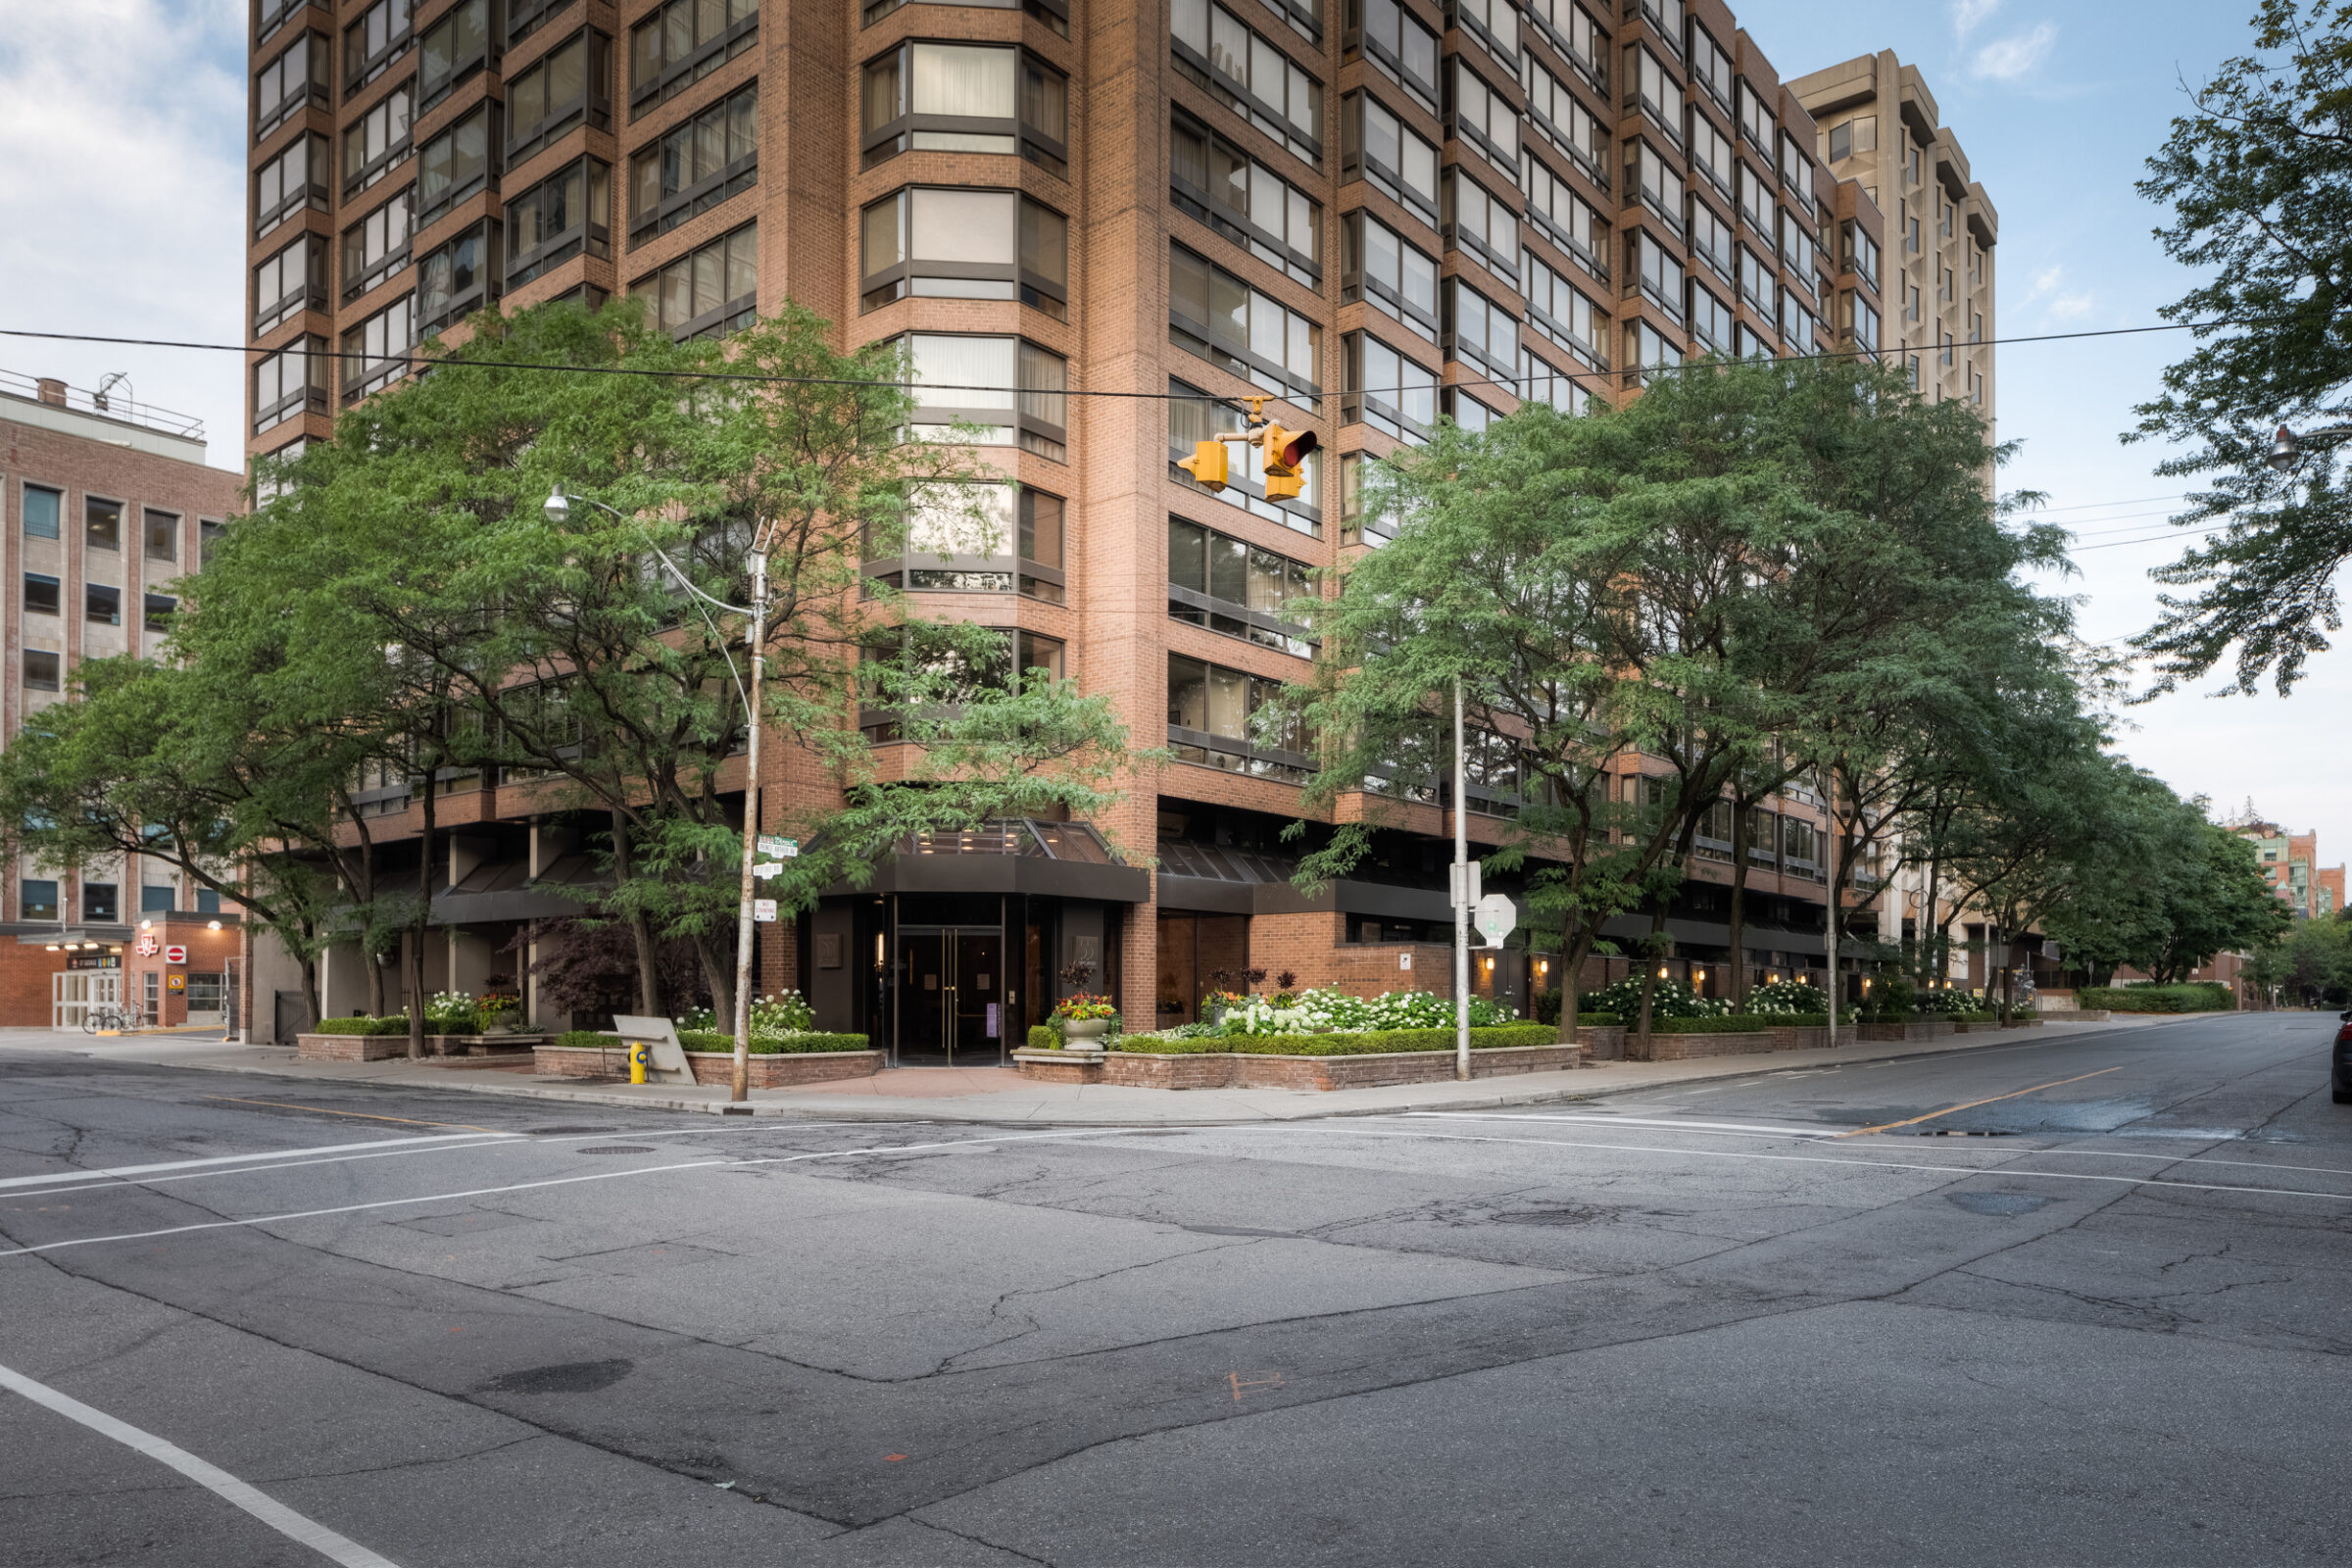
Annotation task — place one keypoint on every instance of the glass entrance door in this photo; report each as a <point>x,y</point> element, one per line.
<point>950,997</point>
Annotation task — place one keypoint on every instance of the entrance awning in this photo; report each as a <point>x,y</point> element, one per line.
<point>1048,860</point>
<point>1214,879</point>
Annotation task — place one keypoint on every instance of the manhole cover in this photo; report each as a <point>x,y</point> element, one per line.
<point>619,1149</point>
<point>567,1132</point>
<point>2000,1206</point>
<point>569,1377</point>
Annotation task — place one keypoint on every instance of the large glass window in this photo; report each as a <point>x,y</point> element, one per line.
<point>1217,315</point>
<point>1213,180</point>
<point>372,40</point>
<point>1650,178</point>
<point>1796,170</point>
<point>568,214</point>
<point>1481,115</point>
<point>1381,267</point>
<point>1564,218</point>
<point>1005,390</point>
<point>981,538</point>
<point>375,351</point>
<point>1712,68</point>
<point>454,165</point>
<point>966,98</point>
<point>569,85</point>
<point>295,79</point>
<point>37,897</point>
<point>43,508</point>
<point>1713,158</point>
<point>289,381</point>
<point>1861,323</point>
<point>1495,24</point>
<point>960,244</point>
<point>1755,202</point>
<point>697,166</point>
<point>162,530</point>
<point>1859,134</point>
<point>294,179</point>
<point>41,594</point>
<point>1657,94</point>
<point>1646,348</point>
<point>1565,314</point>
<point>102,523</point>
<point>684,41</point>
<point>374,144</point>
<point>1236,721</point>
<point>1218,51</point>
<point>457,278</point>
<point>708,292</point>
<point>1711,242</point>
<point>1479,224</point>
<point>1399,45</point>
<point>1386,390</point>
<point>1231,586</point>
<point>1194,417</point>
<point>101,605</point>
<point>1800,329</point>
<point>1561,116</point>
<point>453,49</point>
<point>290,282</point>
<point>1760,284</point>
<point>1711,320</point>
<point>1572,33</point>
<point>377,246</point>
<point>1481,333</point>
<point>1378,147</point>
<point>1797,246</point>
<point>1756,122</point>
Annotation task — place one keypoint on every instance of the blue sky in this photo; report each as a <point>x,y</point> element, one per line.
<point>122,171</point>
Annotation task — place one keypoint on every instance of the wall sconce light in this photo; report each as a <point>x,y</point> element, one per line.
<point>1699,977</point>
<point>1661,971</point>
<point>146,925</point>
<point>1542,967</point>
<point>53,947</point>
<point>1489,962</point>
<point>1865,985</point>
<point>213,926</point>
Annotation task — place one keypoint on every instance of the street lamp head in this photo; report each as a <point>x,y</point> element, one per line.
<point>558,507</point>
<point>2285,450</point>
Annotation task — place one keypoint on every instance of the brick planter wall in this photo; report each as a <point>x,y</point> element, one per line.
<point>1905,1031</point>
<point>771,1070</point>
<point>349,1048</point>
<point>1605,1043</point>
<point>2026,1023</point>
<point>1234,1071</point>
<point>1817,1039</point>
<point>1685,1048</point>
<point>1067,1066</point>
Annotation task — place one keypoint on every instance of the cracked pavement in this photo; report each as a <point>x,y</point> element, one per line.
<point>1687,1325</point>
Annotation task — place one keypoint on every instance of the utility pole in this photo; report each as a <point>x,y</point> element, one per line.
<point>1465,894</point>
<point>742,1089</point>
<point>1829,932</point>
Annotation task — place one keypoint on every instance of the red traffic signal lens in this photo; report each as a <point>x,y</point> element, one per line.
<point>1297,447</point>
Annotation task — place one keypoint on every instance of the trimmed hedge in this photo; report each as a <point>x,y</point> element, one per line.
<point>361,1026</point>
<point>585,1040</point>
<point>1043,1038</point>
<point>1729,1024</point>
<point>1592,1021</point>
<point>771,1044</point>
<point>2206,997</point>
<point>1368,1043</point>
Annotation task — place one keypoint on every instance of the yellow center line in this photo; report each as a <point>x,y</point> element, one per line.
<point>1886,1126</point>
<point>408,1121</point>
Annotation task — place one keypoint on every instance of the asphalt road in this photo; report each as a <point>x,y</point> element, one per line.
<point>1721,1323</point>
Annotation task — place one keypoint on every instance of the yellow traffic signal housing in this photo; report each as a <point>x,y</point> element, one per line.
<point>1206,463</point>
<point>1284,451</point>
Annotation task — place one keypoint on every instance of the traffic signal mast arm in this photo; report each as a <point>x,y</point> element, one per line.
<point>1283,451</point>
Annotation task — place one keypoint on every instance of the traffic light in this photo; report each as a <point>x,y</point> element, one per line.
<point>1284,451</point>
<point>1206,463</point>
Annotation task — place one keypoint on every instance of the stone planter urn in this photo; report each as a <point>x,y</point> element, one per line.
<point>1084,1034</point>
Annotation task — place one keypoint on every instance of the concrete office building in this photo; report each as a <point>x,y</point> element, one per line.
<point>1374,212</point>
<point>105,501</point>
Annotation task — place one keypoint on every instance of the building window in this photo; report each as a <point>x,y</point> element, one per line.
<point>43,508</point>
<point>566,214</point>
<point>290,83</point>
<point>1476,222</point>
<point>1381,267</point>
<point>683,42</point>
<point>453,49</point>
<point>1862,324</point>
<point>1542,381</point>
<point>40,594</point>
<point>570,84</point>
<point>157,899</point>
<point>294,179</point>
<point>1194,417</point>
<point>1800,330</point>
<point>207,901</point>
<point>1481,333</point>
<point>1466,411</point>
<point>1713,158</point>
<point>1911,297</point>
<point>372,42</point>
<point>158,612</point>
<point>1649,87</point>
<point>1712,68</point>
<point>962,244</point>
<point>1054,13</point>
<point>1564,218</point>
<point>1652,181</point>
<point>98,902</point>
<point>1711,320</point>
<point>375,353</point>
<point>1565,314</point>
<point>966,98</point>
<point>1237,329</point>
<point>1563,121</point>
<point>1859,134</point>
<point>694,168</point>
<point>1651,271</point>
<point>1386,390</point>
<point>377,246</point>
<point>1760,284</point>
<point>1861,253</point>
<point>1218,51</point>
<point>37,897</point>
<point>981,538</point>
<point>1217,182</point>
<point>1017,655</point>
<point>1796,172</point>
<point>102,523</point>
<point>376,144</point>
<point>1397,43</point>
<point>708,292</point>
<point>1646,348</point>
<point>457,279</point>
<point>970,372</point>
<point>1575,36</point>
<point>1755,116</point>
<point>163,534</point>
<point>1379,148</point>
<point>288,283</point>
<point>1947,348</point>
<point>454,165</point>
<point>1232,587</point>
<point>1495,24</point>
<point>1235,722</point>
<point>209,532</point>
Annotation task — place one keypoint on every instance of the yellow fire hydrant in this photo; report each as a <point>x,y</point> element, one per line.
<point>641,1057</point>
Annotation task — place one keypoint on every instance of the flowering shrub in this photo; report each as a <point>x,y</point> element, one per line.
<point>450,1012</point>
<point>1786,997</point>
<point>784,1013</point>
<point>1945,1002</point>
<point>1672,998</point>
<point>1337,1012</point>
<point>1081,1007</point>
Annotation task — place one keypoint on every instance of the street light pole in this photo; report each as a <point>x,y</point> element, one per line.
<point>1464,896</point>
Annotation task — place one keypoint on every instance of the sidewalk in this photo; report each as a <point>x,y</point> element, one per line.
<point>1001,1096</point>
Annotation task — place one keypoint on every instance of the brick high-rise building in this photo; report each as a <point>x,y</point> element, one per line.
<point>1374,212</point>
<point>104,504</point>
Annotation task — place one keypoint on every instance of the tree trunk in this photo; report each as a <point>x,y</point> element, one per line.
<point>368,956</point>
<point>649,977</point>
<point>1650,975</point>
<point>311,993</point>
<point>421,928</point>
<point>1738,918</point>
<point>718,973</point>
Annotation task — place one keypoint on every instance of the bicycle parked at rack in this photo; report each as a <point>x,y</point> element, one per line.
<point>104,1015</point>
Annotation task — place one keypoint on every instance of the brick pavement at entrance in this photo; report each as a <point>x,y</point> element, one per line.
<point>998,1095</point>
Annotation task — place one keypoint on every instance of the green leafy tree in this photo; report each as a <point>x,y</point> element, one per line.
<point>2258,175</point>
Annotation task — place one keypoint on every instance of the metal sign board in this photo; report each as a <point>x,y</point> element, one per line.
<point>778,849</point>
<point>176,954</point>
<point>1496,918</point>
<point>669,1058</point>
<point>767,868</point>
<point>764,909</point>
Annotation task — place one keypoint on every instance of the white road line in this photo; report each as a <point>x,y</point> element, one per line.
<point>559,1181</point>
<point>267,1509</point>
<point>1747,1128</point>
<point>115,1171</point>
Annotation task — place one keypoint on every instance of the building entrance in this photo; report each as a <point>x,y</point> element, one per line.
<point>72,993</point>
<point>950,997</point>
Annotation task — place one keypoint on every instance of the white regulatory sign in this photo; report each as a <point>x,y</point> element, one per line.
<point>764,909</point>
<point>767,868</point>
<point>1496,919</point>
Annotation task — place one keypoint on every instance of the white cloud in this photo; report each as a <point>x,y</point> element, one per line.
<point>2007,59</point>
<point>121,165</point>
<point>1967,14</point>
<point>2058,303</point>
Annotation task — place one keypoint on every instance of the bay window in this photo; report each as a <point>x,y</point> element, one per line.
<point>1573,35</point>
<point>1652,180</point>
<point>291,381</point>
<point>1399,45</point>
<point>1213,180</point>
<point>1646,348</point>
<point>1755,202</point>
<point>1235,588</point>
<point>979,538</point>
<point>1235,722</point>
<point>289,282</point>
<point>293,180</point>
<point>1660,99</point>
<point>1755,117</point>
<point>1495,24</point>
<point>1759,283</point>
<point>1861,323</point>
<point>1713,158</point>
<point>451,50</point>
<point>295,80</point>
<point>1220,54</point>
<point>696,165</point>
<point>964,98</point>
<point>377,246</point>
<point>960,244</point>
<point>1481,333</point>
<point>454,165</point>
<point>1712,321</point>
<point>459,277</point>
<point>376,144</point>
<point>1796,169</point>
<point>1477,223</point>
<point>568,214</point>
<point>570,86</point>
<point>1002,391</point>
<point>373,40</point>
<point>1386,390</point>
<point>1713,243</point>
<point>1564,218</point>
<point>1712,68</point>
<point>710,291</point>
<point>1378,147</point>
<point>375,353</point>
<point>1565,314</point>
<point>1654,273</point>
<point>1562,120</point>
<point>1481,115</point>
<point>684,41</point>
<point>1220,318</point>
